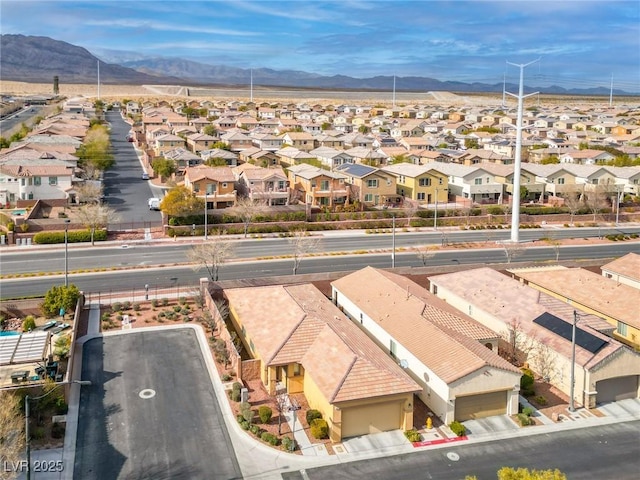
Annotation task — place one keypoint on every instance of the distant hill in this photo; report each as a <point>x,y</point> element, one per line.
<point>39,59</point>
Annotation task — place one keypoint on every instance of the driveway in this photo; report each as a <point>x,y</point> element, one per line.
<point>151,412</point>
<point>124,189</point>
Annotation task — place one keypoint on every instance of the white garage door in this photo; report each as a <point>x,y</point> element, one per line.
<point>380,417</point>
<point>617,388</point>
<point>481,405</point>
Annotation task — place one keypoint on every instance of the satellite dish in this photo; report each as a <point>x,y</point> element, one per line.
<point>404,363</point>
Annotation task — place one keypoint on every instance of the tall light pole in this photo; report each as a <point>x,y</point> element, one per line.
<point>515,211</point>
<point>435,213</point>
<point>572,407</point>
<point>618,202</point>
<point>393,241</point>
<point>66,252</point>
<point>27,414</point>
<point>205,214</point>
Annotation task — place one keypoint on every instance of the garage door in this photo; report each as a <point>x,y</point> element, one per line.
<point>618,388</point>
<point>482,405</point>
<point>380,417</point>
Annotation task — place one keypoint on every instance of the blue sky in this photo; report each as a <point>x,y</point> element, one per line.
<point>581,43</point>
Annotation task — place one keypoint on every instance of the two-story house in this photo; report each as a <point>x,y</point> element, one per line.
<point>422,183</point>
<point>266,185</point>
<point>318,187</point>
<point>369,185</point>
<point>214,184</point>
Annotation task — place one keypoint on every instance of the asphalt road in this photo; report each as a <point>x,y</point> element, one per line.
<point>596,453</point>
<point>84,257</point>
<point>26,115</point>
<point>124,190</point>
<point>183,276</point>
<point>150,413</point>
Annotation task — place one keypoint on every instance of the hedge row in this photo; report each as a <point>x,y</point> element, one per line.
<point>75,236</point>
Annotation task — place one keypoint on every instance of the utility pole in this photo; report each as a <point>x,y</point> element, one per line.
<point>251,97</point>
<point>435,213</point>
<point>98,79</point>
<point>572,407</point>
<point>515,216</point>
<point>393,241</point>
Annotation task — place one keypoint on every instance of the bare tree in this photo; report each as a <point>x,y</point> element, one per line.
<point>512,250</point>
<point>555,244</point>
<point>302,244</point>
<point>544,361</point>
<point>11,434</point>
<point>596,200</point>
<point>574,203</point>
<point>211,255</point>
<point>94,216</point>
<point>425,254</point>
<point>281,406</point>
<point>410,208</point>
<point>246,209</point>
<point>89,192</point>
<point>518,344</point>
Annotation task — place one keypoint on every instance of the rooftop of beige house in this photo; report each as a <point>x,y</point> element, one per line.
<point>299,324</point>
<point>513,303</point>
<point>411,315</point>
<point>199,172</point>
<point>625,266</point>
<point>596,292</point>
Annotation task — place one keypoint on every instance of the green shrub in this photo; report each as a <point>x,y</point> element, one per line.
<point>264,413</point>
<point>245,410</point>
<point>38,433</point>
<point>61,407</point>
<point>116,306</point>
<point>235,392</point>
<point>412,435</point>
<point>528,411</point>
<point>457,428</point>
<point>527,380</point>
<point>225,377</point>
<point>312,414</point>
<point>29,323</point>
<point>287,444</point>
<point>540,400</point>
<point>245,425</point>
<point>495,210</point>
<point>319,428</point>
<point>525,420</point>
<point>270,438</point>
<point>75,236</point>
<point>136,307</point>
<point>239,418</point>
<point>182,301</point>
<point>126,305</point>
<point>164,301</point>
<point>154,302</point>
<point>256,430</point>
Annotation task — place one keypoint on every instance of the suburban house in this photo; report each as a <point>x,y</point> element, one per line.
<point>200,141</point>
<point>477,184</point>
<point>236,140</point>
<point>304,344</point>
<point>292,156</point>
<point>330,157</point>
<point>453,358</point>
<point>625,269</point>
<point>318,187</point>
<point>613,301</point>
<point>537,329</point>
<point>301,140</point>
<point>422,183</point>
<point>165,143</point>
<point>216,184</point>
<point>266,141</point>
<point>268,185</point>
<point>36,179</point>
<point>370,185</point>
<point>230,158</point>
<point>183,158</point>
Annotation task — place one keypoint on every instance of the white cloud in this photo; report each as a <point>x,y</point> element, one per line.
<point>169,27</point>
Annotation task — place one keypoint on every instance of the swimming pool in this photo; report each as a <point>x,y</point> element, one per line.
<point>19,211</point>
<point>9,333</point>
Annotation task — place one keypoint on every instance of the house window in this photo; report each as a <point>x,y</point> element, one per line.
<point>372,183</point>
<point>368,197</point>
<point>211,188</point>
<point>23,181</point>
<point>421,196</point>
<point>37,181</point>
<point>477,181</point>
<point>53,180</point>
<point>296,369</point>
<point>424,182</point>
<point>196,188</point>
<point>622,329</point>
<point>324,185</point>
<point>392,348</point>
<point>470,310</point>
<point>434,289</point>
<point>561,181</point>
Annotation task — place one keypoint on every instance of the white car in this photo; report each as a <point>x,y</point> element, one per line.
<point>154,203</point>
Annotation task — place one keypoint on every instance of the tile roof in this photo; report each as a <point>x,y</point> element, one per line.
<point>297,323</point>
<point>422,323</point>
<point>220,174</point>
<point>626,266</point>
<point>509,301</point>
<point>600,294</point>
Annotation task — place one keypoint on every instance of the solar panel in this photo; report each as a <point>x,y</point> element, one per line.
<point>562,328</point>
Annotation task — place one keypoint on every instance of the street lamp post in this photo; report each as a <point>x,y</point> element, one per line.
<point>27,414</point>
<point>205,215</point>
<point>66,252</point>
<point>435,214</point>
<point>393,241</point>
<point>572,407</point>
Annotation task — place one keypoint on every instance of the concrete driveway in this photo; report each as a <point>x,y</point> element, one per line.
<point>151,412</point>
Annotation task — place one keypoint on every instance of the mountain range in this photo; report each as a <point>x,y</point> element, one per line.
<point>38,59</point>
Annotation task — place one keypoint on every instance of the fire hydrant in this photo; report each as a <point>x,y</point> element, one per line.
<point>429,423</point>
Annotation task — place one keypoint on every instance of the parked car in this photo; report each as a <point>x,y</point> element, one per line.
<point>145,176</point>
<point>154,203</point>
